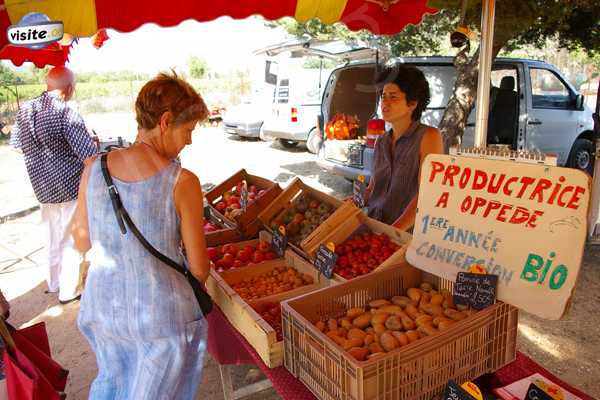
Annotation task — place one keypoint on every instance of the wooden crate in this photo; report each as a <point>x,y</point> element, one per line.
<point>286,199</point>
<point>226,234</point>
<point>479,344</point>
<point>360,221</point>
<point>242,316</point>
<point>247,222</point>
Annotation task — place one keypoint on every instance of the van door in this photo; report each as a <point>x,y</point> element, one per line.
<point>552,119</point>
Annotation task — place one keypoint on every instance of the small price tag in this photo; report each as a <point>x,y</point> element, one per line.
<point>475,289</point>
<point>534,392</point>
<point>358,191</point>
<point>325,259</point>
<point>279,241</point>
<point>455,392</point>
<point>244,195</point>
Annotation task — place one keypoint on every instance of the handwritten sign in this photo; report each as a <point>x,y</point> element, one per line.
<point>279,241</point>
<point>325,259</point>
<point>476,290</point>
<point>358,191</point>
<point>525,223</point>
<point>536,393</point>
<point>455,392</point>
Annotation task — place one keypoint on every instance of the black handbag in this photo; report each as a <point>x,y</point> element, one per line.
<point>121,214</point>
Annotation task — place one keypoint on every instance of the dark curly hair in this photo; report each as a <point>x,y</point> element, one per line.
<point>411,81</point>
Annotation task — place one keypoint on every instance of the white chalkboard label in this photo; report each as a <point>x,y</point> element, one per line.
<point>476,290</point>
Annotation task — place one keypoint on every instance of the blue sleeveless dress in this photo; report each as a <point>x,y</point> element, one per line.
<point>139,315</point>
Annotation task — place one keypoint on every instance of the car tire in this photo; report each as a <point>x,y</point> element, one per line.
<point>313,143</point>
<point>288,144</point>
<point>582,156</point>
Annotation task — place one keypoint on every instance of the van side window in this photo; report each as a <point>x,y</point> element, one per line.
<point>547,90</point>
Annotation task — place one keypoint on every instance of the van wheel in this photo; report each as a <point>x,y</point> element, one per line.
<point>582,156</point>
<point>288,144</point>
<point>313,143</point>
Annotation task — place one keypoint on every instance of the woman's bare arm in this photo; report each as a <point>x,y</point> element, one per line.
<point>79,224</point>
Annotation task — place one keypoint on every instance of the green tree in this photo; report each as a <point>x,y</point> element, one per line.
<point>198,67</point>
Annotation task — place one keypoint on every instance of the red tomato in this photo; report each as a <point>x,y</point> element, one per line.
<point>213,254</point>
<point>253,189</point>
<point>228,259</point>
<point>264,246</point>
<point>269,255</point>
<point>244,255</point>
<point>233,200</point>
<point>222,264</point>
<point>237,264</point>
<point>257,257</point>
<point>229,248</point>
<point>343,261</point>
<point>221,206</point>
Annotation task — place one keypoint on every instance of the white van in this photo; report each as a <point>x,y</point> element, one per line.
<point>297,102</point>
<point>532,107</point>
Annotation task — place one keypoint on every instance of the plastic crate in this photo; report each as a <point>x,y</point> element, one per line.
<point>477,345</point>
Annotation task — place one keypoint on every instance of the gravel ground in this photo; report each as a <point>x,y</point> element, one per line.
<point>569,348</point>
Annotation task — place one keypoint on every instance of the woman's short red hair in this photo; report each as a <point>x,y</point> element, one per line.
<point>168,92</point>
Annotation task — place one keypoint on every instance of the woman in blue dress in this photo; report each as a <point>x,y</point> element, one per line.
<point>139,315</point>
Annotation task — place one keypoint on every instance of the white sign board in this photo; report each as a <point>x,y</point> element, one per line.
<point>525,223</point>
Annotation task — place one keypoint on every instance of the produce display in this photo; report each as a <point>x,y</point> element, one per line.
<point>342,127</point>
<point>387,324</point>
<point>271,313</point>
<point>303,217</point>
<point>361,254</point>
<point>231,200</point>
<point>278,280</point>
<point>232,256</point>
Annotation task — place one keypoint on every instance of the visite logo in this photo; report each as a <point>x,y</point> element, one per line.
<point>35,30</point>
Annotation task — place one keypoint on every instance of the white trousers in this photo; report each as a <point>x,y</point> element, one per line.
<point>63,258</point>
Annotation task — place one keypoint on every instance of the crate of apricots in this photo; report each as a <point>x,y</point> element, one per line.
<point>363,244</point>
<point>394,331</point>
<point>249,297</point>
<point>227,201</point>
<point>231,256</point>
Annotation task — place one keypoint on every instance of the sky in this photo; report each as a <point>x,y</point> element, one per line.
<point>226,44</point>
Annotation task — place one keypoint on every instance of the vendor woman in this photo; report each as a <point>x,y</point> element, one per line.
<point>393,189</point>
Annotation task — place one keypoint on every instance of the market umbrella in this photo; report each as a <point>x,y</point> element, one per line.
<point>86,17</point>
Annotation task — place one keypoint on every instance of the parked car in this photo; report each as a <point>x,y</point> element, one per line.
<point>298,92</point>
<point>532,108</point>
<point>244,120</point>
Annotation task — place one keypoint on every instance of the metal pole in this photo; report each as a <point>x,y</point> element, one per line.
<point>485,71</point>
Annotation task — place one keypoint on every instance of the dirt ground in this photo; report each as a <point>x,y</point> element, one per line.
<point>570,348</point>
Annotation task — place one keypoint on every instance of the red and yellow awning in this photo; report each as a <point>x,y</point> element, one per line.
<point>85,17</point>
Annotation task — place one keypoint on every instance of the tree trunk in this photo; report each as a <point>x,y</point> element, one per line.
<point>460,105</point>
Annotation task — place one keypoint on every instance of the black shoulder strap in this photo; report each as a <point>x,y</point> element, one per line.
<point>122,215</point>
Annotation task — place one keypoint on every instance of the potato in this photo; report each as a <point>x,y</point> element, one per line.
<point>333,336</point>
<point>407,323</point>
<point>425,298</point>
<point>462,307</point>
<point>345,323</point>
<point>441,318</point>
<point>436,300</point>
<point>379,303</point>
<point>414,294</point>
<point>379,318</point>
<point>392,309</point>
<point>379,328</point>
<point>413,336</point>
<point>350,343</point>
<point>375,355</point>
<point>360,353</point>
<point>332,324</point>
<point>354,312</point>
<point>469,312</point>
<point>412,311</point>
<point>394,323</point>
<point>356,333</point>
<point>320,325</point>
<point>401,338</point>
<point>375,348</point>
<point>370,330</point>
<point>342,332</point>
<point>388,341</point>
<point>455,315</point>
<point>426,287</point>
<point>369,339</point>
<point>445,324</point>
<point>448,303</point>
<point>427,330</point>
<point>433,310</point>
<point>401,301</point>
<point>362,321</point>
<point>424,320</point>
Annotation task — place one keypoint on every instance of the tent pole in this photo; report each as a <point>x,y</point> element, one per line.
<point>485,71</point>
<point>594,215</point>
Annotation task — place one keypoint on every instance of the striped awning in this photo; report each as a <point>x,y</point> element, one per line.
<point>86,17</point>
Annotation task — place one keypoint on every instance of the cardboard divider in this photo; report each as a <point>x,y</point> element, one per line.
<point>481,343</point>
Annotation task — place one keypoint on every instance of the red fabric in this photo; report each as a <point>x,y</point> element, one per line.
<point>362,14</point>
<point>30,372</point>
<point>54,54</point>
<point>523,367</point>
<point>126,16</point>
